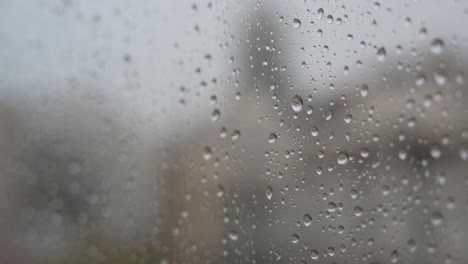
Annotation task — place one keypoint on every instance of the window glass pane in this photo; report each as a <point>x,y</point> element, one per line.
<point>233,131</point>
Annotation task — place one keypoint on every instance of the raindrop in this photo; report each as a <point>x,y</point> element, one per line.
<point>207,153</point>
<point>364,90</point>
<point>435,151</point>
<point>440,78</point>
<point>314,131</point>
<point>297,103</point>
<point>320,13</point>
<point>269,192</point>
<point>437,46</point>
<point>364,153</point>
<point>346,70</point>
<point>420,80</point>
<point>272,138</point>
<point>213,99</point>
<point>423,33</point>
<point>381,54</point>
<point>463,153</point>
<point>294,238</point>
<point>314,254</point>
<point>357,211</point>
<point>215,115</point>
<point>412,245</point>
<point>348,118</point>
<point>233,235</point>
<point>235,135</point>
<point>437,218</point>
<point>394,256</point>
<point>296,23</point>
<point>307,220</point>
<point>402,155</point>
<point>342,158</point>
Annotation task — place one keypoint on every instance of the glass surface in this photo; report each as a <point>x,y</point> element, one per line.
<point>233,131</point>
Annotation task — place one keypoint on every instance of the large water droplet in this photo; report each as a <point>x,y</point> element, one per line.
<point>437,46</point>
<point>294,238</point>
<point>437,218</point>
<point>296,23</point>
<point>269,192</point>
<point>357,211</point>
<point>314,254</point>
<point>394,256</point>
<point>307,220</point>
<point>381,54</point>
<point>463,153</point>
<point>272,138</point>
<point>364,89</point>
<point>297,103</point>
<point>364,153</point>
<point>342,158</point>
<point>320,13</point>
<point>314,131</point>
<point>233,235</point>
<point>435,151</point>
<point>215,115</point>
<point>235,135</point>
<point>207,153</point>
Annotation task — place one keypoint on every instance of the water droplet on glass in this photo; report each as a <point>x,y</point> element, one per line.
<point>348,118</point>
<point>215,115</point>
<point>307,220</point>
<point>320,13</point>
<point>272,138</point>
<point>314,131</point>
<point>207,153</point>
<point>314,254</point>
<point>463,153</point>
<point>346,70</point>
<point>381,54</point>
<point>364,153</point>
<point>342,158</point>
<point>235,135</point>
<point>437,46</point>
<point>412,245</point>
<point>435,151</point>
<point>233,235</point>
<point>423,33</point>
<point>297,103</point>
<point>364,89</point>
<point>440,78</point>
<point>394,256</point>
<point>357,211</point>
<point>296,23</point>
<point>402,155</point>
<point>269,192</point>
<point>294,238</point>
<point>420,80</point>
<point>437,218</point>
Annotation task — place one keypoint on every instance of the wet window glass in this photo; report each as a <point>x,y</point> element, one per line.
<point>165,132</point>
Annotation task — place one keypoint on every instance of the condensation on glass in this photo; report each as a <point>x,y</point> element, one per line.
<point>233,131</point>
